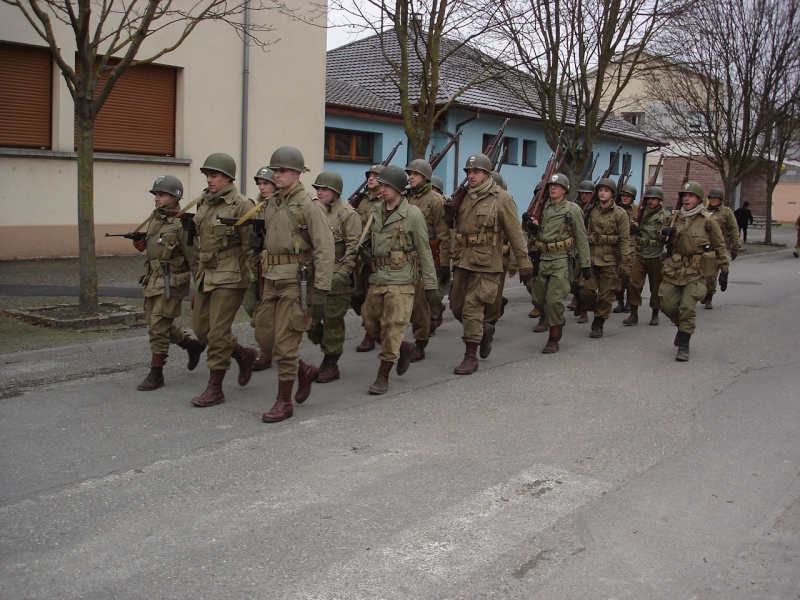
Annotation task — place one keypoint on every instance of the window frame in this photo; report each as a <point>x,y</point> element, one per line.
<point>330,146</point>
<point>27,100</point>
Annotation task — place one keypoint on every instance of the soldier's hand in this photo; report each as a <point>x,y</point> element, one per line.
<point>317,306</point>
<point>512,270</point>
<point>525,275</point>
<point>634,228</point>
<point>188,225</point>
<point>622,272</point>
<point>444,275</point>
<point>341,281</point>
<point>529,224</point>
<point>434,301</point>
<point>586,273</point>
<point>140,245</point>
<point>734,253</point>
<point>667,232</point>
<point>723,281</point>
<point>256,240</point>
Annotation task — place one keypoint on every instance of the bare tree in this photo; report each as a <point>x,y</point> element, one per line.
<point>579,55</point>
<point>731,85</point>
<point>419,41</point>
<point>109,37</point>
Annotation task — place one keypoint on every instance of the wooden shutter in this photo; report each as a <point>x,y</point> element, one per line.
<point>26,98</point>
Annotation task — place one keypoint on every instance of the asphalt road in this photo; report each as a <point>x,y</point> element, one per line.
<point>607,470</point>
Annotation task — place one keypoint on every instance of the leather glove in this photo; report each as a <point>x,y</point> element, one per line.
<point>366,254</point>
<point>723,281</point>
<point>634,228</point>
<point>525,275</point>
<point>140,245</point>
<point>586,273</point>
<point>434,301</point>
<point>340,281</point>
<point>667,231</point>
<point>317,306</point>
<point>528,224</point>
<point>256,241</point>
<point>444,275</point>
<point>734,253</point>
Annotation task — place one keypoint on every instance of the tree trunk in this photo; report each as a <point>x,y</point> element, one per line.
<point>88,301</point>
<point>768,224</point>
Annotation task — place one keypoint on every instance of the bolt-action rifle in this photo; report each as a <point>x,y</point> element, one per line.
<point>587,174</point>
<point>356,197</point>
<point>435,159</point>
<point>593,202</point>
<point>668,232</point>
<point>637,220</point>
<point>458,196</point>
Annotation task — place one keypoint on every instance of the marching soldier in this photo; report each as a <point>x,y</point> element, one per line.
<point>223,276</point>
<point>585,193</point>
<point>370,201</point>
<point>297,264</point>
<point>796,252</point>
<point>627,195</point>
<point>648,248</point>
<point>171,261</point>
<point>438,185</point>
<point>608,229</point>
<point>431,205</point>
<point>730,233</point>
<point>559,237</point>
<point>345,225</point>
<point>486,212</point>
<point>497,309</point>
<point>695,247</point>
<point>400,254</point>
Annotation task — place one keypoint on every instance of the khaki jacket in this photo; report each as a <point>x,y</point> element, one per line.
<point>561,222</point>
<point>366,206</point>
<point>727,224</point>
<point>224,251</point>
<point>167,242</point>
<point>485,214</point>
<point>697,249</point>
<point>297,230</point>
<point>648,242</point>
<point>400,247</point>
<point>431,204</point>
<point>345,226</point>
<point>609,232</point>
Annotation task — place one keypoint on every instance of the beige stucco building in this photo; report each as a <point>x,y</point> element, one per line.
<point>285,104</point>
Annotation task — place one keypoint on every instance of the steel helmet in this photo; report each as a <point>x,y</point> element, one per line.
<point>478,161</point>
<point>609,183</point>
<point>329,179</point>
<point>654,192</point>
<point>423,167</point>
<point>436,182</point>
<point>395,177</point>
<point>587,185</point>
<point>168,184</point>
<point>717,193</point>
<point>692,187</point>
<point>376,169</point>
<point>559,179</point>
<point>265,173</point>
<point>220,162</point>
<point>498,179</point>
<point>288,157</point>
<point>629,190</point>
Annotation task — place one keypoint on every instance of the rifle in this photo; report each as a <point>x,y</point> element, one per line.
<point>356,197</point>
<point>360,245</point>
<point>685,179</point>
<point>621,180</point>
<point>553,166</point>
<point>667,232</point>
<point>458,196</point>
<point>133,235</point>
<point>593,202</point>
<point>187,221</point>
<point>259,227</point>
<point>435,159</point>
<point>587,174</point>
<point>637,220</point>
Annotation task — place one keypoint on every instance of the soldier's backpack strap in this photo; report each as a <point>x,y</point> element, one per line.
<point>299,223</point>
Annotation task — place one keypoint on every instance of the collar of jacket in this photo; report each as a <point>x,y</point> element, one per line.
<point>482,189</point>
<point>420,190</point>
<point>226,194</point>
<point>400,211</point>
<point>282,200</point>
<point>333,206</point>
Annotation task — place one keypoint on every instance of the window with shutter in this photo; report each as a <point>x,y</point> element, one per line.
<point>26,97</point>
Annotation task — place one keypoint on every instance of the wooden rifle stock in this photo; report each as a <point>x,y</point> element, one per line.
<point>435,159</point>
<point>637,221</point>
<point>679,203</point>
<point>356,197</point>
<point>554,164</point>
<point>593,202</point>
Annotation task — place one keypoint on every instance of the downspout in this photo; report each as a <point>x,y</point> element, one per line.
<point>245,97</point>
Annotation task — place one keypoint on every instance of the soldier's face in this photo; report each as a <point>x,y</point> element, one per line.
<point>585,197</point>
<point>326,195</point>
<point>286,179</point>
<point>653,202</point>
<point>265,187</point>
<point>556,192</point>
<point>163,199</point>
<point>389,195</point>
<point>690,200</point>
<point>605,194</point>
<point>372,182</point>
<point>415,178</point>
<point>476,176</point>
<point>715,202</point>
<point>626,199</point>
<point>216,181</point>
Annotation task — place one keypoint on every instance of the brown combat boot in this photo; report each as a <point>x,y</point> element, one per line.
<point>244,357</point>
<point>535,313</point>
<point>573,303</point>
<point>329,369</point>
<point>620,307</point>
<point>382,380</point>
<point>418,353</point>
<point>282,409</point>
<point>155,378</point>
<point>470,363</point>
<point>654,317</point>
<point>366,344</point>
<point>552,342</point>
<point>597,327</point>
<point>541,326</point>
<point>405,357</point>
<point>194,348</point>
<point>583,317</point>
<point>633,319</point>
<point>262,362</point>
<point>707,302</point>
<point>486,340</point>
<point>306,374</point>
<point>683,346</point>
<point>213,394</point>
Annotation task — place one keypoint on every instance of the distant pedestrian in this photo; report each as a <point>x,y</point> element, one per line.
<point>797,245</point>
<point>744,217</point>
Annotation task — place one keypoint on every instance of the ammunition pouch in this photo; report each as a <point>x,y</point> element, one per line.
<point>284,259</point>
<point>599,239</point>
<point>395,261</point>
<point>478,239</point>
<point>550,247</point>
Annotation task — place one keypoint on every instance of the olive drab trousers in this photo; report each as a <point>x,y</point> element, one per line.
<point>329,334</point>
<point>160,315</point>
<point>549,288</point>
<point>420,313</point>
<point>386,314</point>
<point>212,317</point>
<point>471,295</point>
<point>641,268</point>
<point>598,292</point>
<point>679,302</point>
<point>280,322</point>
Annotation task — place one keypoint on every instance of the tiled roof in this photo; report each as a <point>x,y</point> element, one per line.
<point>359,77</point>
